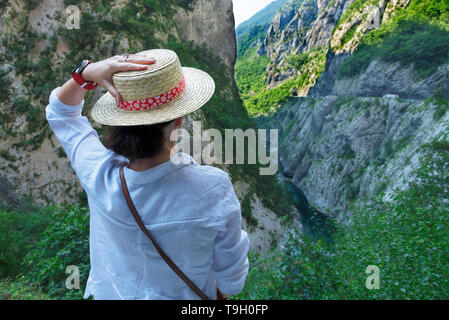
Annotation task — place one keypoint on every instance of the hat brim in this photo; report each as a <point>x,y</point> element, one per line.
<point>199,89</point>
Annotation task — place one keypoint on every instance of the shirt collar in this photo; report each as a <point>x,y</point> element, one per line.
<point>178,161</point>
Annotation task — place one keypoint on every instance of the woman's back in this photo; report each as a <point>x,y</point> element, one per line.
<point>191,210</point>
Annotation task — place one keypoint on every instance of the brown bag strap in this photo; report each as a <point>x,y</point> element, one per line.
<point>170,263</point>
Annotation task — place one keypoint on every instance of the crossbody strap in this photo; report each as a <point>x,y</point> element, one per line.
<point>139,221</point>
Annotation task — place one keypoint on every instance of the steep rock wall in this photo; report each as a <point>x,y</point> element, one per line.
<point>340,150</point>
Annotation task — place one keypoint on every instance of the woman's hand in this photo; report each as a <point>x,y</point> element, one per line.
<point>101,72</point>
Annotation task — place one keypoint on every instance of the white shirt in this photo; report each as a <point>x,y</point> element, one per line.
<point>191,210</point>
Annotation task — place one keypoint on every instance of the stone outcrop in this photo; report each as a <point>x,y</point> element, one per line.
<point>379,79</point>
<point>300,27</point>
<point>382,78</point>
<point>210,23</point>
<point>341,149</point>
<point>307,25</point>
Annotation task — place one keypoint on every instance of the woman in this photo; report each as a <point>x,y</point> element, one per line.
<point>191,211</point>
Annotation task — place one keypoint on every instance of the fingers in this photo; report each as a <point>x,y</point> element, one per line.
<point>135,62</point>
<point>113,91</point>
<point>141,60</point>
<point>127,66</point>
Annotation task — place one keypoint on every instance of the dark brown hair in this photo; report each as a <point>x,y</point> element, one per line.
<point>137,142</point>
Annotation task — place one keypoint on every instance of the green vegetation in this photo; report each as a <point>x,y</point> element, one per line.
<point>250,74</point>
<point>390,148</point>
<point>349,35</point>
<point>36,246</point>
<point>275,198</point>
<point>251,69</point>
<point>441,106</point>
<point>267,102</point>
<point>4,85</point>
<point>358,6</point>
<point>64,242</point>
<point>19,231</point>
<point>417,35</point>
<point>247,213</point>
<point>20,289</point>
<point>298,60</point>
<point>245,41</point>
<point>405,238</point>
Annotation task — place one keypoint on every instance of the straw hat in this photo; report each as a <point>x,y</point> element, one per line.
<point>164,92</point>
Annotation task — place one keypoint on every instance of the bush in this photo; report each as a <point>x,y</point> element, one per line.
<point>247,40</point>
<point>413,37</point>
<point>20,290</point>
<point>65,242</point>
<point>19,231</point>
<point>4,85</point>
<point>267,102</point>
<point>298,60</point>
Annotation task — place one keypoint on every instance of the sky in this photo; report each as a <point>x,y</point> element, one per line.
<point>245,9</point>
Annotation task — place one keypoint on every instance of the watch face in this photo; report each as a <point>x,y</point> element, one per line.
<point>79,68</point>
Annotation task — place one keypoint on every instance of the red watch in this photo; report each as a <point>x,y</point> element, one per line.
<point>76,75</point>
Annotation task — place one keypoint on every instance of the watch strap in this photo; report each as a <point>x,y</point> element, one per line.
<point>83,83</point>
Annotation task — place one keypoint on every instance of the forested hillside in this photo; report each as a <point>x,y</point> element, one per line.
<point>360,93</point>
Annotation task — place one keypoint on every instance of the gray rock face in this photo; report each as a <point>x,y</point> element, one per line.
<point>7,193</point>
<point>283,18</point>
<point>326,82</point>
<point>384,78</point>
<point>321,31</point>
<point>341,149</point>
<point>299,28</point>
<point>380,79</point>
<point>284,25</point>
<point>211,23</point>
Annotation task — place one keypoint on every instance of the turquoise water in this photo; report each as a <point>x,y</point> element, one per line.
<point>315,224</point>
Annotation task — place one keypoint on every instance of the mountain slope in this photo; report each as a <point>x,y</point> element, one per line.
<point>364,133</point>
<point>378,72</point>
<point>263,17</point>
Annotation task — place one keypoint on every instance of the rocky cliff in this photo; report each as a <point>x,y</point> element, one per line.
<point>38,52</point>
<point>376,95</point>
<point>343,149</point>
<point>210,23</point>
<point>300,27</point>
<point>300,35</point>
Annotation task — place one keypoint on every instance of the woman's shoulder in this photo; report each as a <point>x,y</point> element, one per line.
<point>209,179</point>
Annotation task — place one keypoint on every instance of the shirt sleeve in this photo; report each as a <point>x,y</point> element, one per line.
<point>231,249</point>
<point>80,141</point>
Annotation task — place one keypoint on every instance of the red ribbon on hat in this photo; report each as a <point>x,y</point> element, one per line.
<point>154,102</point>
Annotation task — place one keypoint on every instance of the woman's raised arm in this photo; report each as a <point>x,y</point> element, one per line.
<point>101,72</point>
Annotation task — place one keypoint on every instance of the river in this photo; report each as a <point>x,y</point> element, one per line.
<point>316,225</point>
